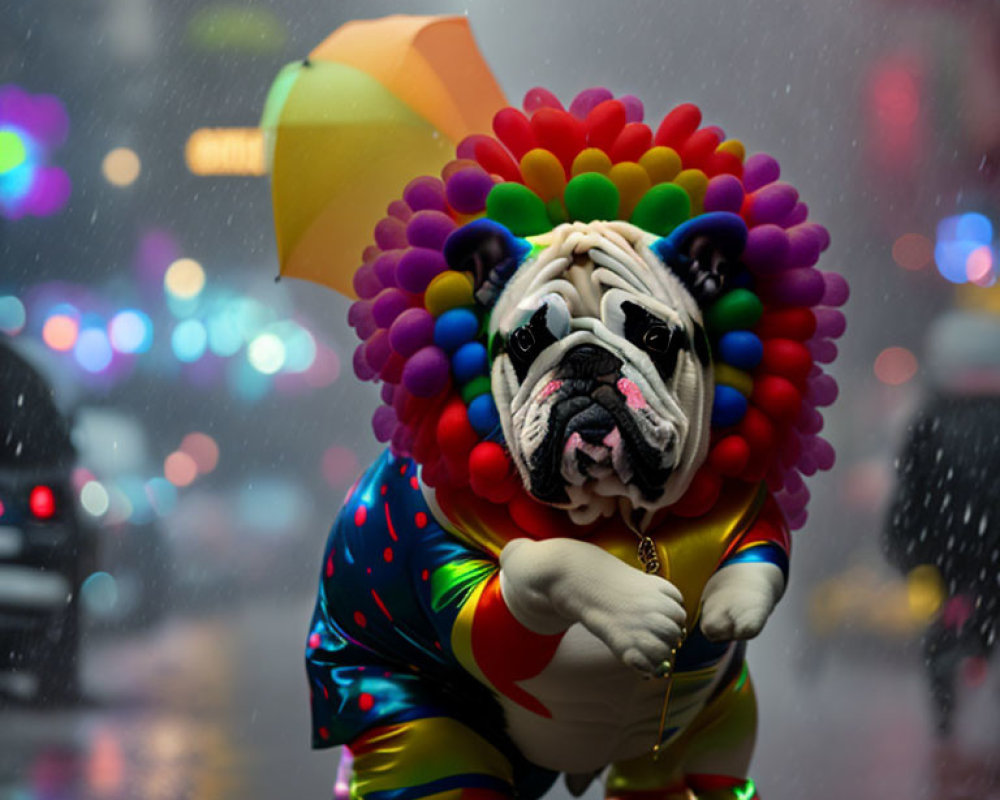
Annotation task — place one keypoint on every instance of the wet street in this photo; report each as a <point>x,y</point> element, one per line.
<point>214,707</point>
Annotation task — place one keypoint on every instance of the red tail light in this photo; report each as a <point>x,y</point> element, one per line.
<point>42,502</point>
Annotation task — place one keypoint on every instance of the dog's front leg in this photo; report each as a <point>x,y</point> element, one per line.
<point>550,585</point>
<point>739,598</point>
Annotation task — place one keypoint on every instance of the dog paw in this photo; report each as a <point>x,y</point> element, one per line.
<point>738,600</point>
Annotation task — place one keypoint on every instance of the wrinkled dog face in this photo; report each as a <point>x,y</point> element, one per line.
<point>602,371</point>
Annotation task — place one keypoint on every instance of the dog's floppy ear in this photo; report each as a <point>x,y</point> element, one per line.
<point>490,252</point>
<point>704,253</point>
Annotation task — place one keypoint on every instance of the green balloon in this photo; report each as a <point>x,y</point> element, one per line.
<point>739,309</point>
<point>518,209</point>
<point>591,196</point>
<point>661,209</point>
<point>475,387</point>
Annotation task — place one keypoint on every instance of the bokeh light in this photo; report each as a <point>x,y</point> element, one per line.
<point>121,166</point>
<point>12,315</point>
<point>266,353</point>
<point>224,337</point>
<point>93,350</point>
<point>99,593</point>
<point>979,265</point>
<point>895,366</point>
<point>179,468</point>
<point>60,332</point>
<point>912,251</point>
<point>131,331</point>
<point>94,499</point>
<point>958,239</point>
<point>31,128</point>
<point>189,340</point>
<point>13,152</point>
<point>203,450</point>
<point>162,496</point>
<point>300,346</point>
<point>185,278</point>
<point>340,466</point>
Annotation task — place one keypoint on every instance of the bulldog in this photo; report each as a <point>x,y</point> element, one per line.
<point>454,653</point>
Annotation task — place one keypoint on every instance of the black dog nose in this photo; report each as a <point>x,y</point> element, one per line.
<point>590,361</point>
<point>593,424</point>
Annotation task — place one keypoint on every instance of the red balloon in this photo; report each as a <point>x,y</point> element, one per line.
<point>776,397</point>
<point>560,133</point>
<point>729,456</point>
<point>787,323</point>
<point>698,148</point>
<point>456,437</point>
<point>701,494</point>
<point>604,122</point>
<point>514,130</point>
<point>787,358</point>
<point>678,125</point>
<point>634,140</point>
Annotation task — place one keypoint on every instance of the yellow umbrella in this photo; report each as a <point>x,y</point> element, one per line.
<point>376,104</point>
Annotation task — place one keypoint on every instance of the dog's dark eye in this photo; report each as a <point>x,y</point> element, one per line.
<point>522,341</point>
<point>663,343</point>
<point>525,343</point>
<point>657,338</point>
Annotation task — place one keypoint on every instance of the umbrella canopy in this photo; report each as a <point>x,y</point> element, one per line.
<point>377,103</point>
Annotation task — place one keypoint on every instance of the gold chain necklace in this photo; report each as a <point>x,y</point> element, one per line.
<point>650,560</point>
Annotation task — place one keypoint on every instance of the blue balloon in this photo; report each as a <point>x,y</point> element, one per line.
<point>741,349</point>
<point>728,406</point>
<point>483,414</point>
<point>469,362</point>
<point>454,328</point>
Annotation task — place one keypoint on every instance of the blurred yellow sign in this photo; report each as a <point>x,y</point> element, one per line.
<point>226,151</point>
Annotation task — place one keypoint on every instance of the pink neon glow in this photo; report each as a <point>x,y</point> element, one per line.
<point>550,387</point>
<point>633,395</point>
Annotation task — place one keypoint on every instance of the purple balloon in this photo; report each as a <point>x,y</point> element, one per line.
<point>634,110</point>
<point>540,97</point>
<point>823,351</point>
<point>587,100</point>
<point>384,423</point>
<point>402,441</point>
<point>400,210</point>
<point>830,323</point>
<point>388,305</point>
<point>360,313</point>
<point>796,216</point>
<point>771,203</point>
<point>822,451</point>
<point>797,521</point>
<point>467,189</point>
<point>837,291</point>
<point>385,267</point>
<point>390,233</point>
<point>466,149</point>
<point>429,229</point>
<point>377,350</point>
<point>793,482</point>
<point>366,282</point>
<point>417,268</point>
<point>361,367</point>
<point>807,464</point>
<point>759,170</point>
<point>412,330</point>
<point>809,419</point>
<point>387,393</point>
<point>724,193</point>
<point>425,193</point>
<point>426,372</point>
<point>793,287</point>
<point>804,245</point>
<point>821,390</point>
<point>766,250</point>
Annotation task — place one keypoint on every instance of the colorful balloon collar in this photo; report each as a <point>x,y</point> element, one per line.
<point>424,331</point>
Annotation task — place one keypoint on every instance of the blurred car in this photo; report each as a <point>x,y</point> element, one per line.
<point>45,550</point>
<point>133,558</point>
